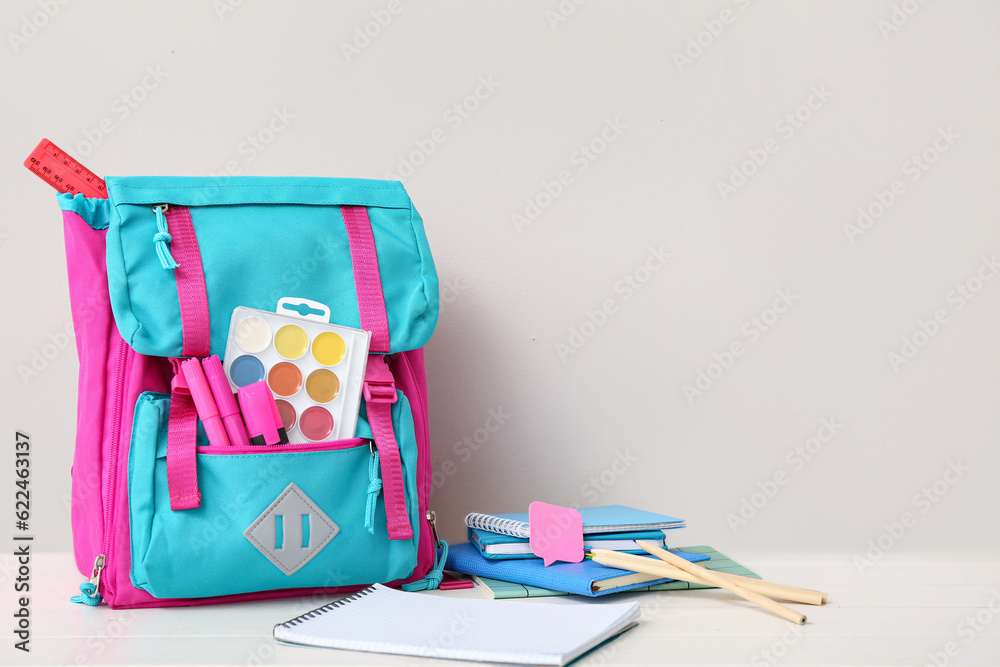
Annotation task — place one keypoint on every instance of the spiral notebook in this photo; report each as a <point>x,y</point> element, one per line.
<point>601,519</point>
<point>384,620</point>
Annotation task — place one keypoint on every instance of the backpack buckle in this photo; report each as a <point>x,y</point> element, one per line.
<point>179,382</point>
<point>379,386</point>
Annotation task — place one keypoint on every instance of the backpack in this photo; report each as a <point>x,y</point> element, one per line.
<point>159,516</point>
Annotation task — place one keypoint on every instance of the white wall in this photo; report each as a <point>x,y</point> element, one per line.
<point>613,410</point>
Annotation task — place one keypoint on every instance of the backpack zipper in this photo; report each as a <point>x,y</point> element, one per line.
<point>109,506</point>
<point>432,519</point>
<point>88,590</point>
<point>95,575</point>
<point>430,516</point>
<point>427,459</point>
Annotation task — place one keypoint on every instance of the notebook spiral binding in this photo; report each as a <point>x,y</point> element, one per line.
<point>495,524</point>
<point>325,608</point>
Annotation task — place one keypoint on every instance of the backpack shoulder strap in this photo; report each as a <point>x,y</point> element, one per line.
<point>379,387</point>
<point>182,428</point>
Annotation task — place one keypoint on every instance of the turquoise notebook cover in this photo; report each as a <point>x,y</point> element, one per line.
<point>484,538</point>
<point>613,518</point>
<point>575,578</point>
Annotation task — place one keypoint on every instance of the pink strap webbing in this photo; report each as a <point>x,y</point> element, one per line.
<point>367,280</point>
<point>182,429</point>
<point>182,465</point>
<point>190,278</point>
<point>379,390</point>
<point>380,394</point>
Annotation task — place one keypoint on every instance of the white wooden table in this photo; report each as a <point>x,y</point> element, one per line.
<point>904,610</point>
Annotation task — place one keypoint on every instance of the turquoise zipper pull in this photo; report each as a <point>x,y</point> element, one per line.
<point>162,238</point>
<point>88,589</point>
<point>433,578</point>
<point>374,487</point>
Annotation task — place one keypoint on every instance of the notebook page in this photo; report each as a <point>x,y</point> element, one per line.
<point>385,620</point>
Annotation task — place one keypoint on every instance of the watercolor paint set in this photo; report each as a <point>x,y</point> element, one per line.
<point>315,370</point>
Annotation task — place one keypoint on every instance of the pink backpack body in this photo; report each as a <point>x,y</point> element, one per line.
<point>160,517</point>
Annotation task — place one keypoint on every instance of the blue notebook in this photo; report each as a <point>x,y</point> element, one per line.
<point>601,519</point>
<point>584,578</point>
<point>496,546</point>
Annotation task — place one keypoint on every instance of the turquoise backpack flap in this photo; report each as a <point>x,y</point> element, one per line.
<point>290,228</point>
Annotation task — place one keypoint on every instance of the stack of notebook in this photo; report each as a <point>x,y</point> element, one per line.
<point>504,565</point>
<point>499,557</point>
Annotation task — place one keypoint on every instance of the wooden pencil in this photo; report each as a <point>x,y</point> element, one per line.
<point>715,579</point>
<point>653,550</point>
<point>771,589</point>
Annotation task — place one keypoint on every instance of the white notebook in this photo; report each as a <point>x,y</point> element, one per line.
<point>385,620</point>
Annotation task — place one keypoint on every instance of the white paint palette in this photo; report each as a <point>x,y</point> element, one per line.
<point>315,369</point>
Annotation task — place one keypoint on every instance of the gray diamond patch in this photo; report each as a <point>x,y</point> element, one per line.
<point>292,530</point>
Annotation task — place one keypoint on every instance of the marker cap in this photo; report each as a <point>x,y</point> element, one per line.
<point>204,403</point>
<point>228,410</point>
<point>263,420</point>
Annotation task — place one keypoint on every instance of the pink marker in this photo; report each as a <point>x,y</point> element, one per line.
<point>208,412</point>
<point>261,414</point>
<point>224,400</point>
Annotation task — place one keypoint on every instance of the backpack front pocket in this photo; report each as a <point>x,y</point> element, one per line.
<point>271,517</point>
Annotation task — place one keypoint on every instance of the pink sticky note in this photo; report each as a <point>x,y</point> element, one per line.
<point>556,533</point>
